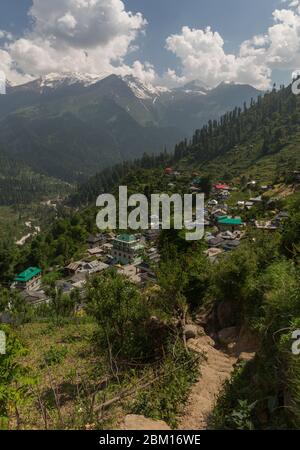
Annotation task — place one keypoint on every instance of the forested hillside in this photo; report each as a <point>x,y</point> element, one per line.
<point>20,185</point>
<point>259,140</point>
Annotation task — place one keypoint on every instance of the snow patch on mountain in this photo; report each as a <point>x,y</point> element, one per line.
<point>56,80</point>
<point>144,90</point>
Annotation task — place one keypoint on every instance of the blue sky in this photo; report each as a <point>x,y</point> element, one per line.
<point>234,20</point>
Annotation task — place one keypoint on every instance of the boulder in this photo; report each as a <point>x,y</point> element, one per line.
<point>228,335</point>
<point>135,422</point>
<point>190,331</point>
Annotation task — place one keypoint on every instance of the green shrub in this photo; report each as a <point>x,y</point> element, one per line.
<point>54,356</point>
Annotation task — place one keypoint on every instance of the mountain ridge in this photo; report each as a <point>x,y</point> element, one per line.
<point>70,126</point>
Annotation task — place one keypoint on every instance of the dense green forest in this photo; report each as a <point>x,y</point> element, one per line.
<point>19,185</point>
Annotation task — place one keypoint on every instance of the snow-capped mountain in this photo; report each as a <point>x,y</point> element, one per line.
<point>71,125</point>
<point>56,80</point>
<point>53,81</point>
<point>144,90</point>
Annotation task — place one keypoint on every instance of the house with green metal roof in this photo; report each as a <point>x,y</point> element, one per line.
<point>127,249</point>
<point>229,223</point>
<point>30,279</point>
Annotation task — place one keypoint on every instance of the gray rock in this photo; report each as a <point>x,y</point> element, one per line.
<point>190,331</point>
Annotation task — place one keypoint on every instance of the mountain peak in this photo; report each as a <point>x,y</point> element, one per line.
<point>53,80</point>
<point>143,90</point>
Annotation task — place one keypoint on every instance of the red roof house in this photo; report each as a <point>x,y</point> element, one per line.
<point>222,187</point>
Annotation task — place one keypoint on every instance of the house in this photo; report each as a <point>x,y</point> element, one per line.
<point>194,189</point>
<point>230,245</point>
<point>215,242</point>
<point>153,255</point>
<point>130,271</point>
<point>229,223</point>
<point>256,199</point>
<point>218,213</point>
<point>146,272</point>
<point>73,268</point>
<point>107,248</point>
<point>29,280</point>
<point>89,267</point>
<point>228,235</point>
<point>224,194</point>
<point>151,234</point>
<point>93,267</point>
<point>213,202</point>
<point>265,225</point>
<point>127,249</point>
<point>35,298</point>
<point>97,251</point>
<point>221,187</point>
<point>95,241</point>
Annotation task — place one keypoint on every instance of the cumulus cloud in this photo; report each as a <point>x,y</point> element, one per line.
<point>96,36</point>
<point>203,56</point>
<point>76,35</point>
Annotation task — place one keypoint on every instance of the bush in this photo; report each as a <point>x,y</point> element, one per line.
<point>54,356</point>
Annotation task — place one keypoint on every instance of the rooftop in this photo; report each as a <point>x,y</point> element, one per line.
<point>28,274</point>
<point>126,238</point>
<point>230,221</point>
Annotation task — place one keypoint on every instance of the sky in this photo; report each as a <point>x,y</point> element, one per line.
<point>164,42</point>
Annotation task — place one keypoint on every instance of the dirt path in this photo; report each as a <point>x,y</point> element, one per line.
<point>214,372</point>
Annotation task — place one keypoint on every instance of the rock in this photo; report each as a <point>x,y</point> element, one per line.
<point>228,335</point>
<point>200,344</point>
<point>190,331</point>
<point>245,356</point>
<point>135,422</point>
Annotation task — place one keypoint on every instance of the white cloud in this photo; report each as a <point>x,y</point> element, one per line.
<point>95,36</point>
<point>203,57</point>
<point>76,35</point>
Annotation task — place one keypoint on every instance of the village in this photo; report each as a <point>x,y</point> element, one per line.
<point>136,256</point>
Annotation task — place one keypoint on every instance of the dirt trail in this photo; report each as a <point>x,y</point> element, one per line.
<point>215,370</point>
